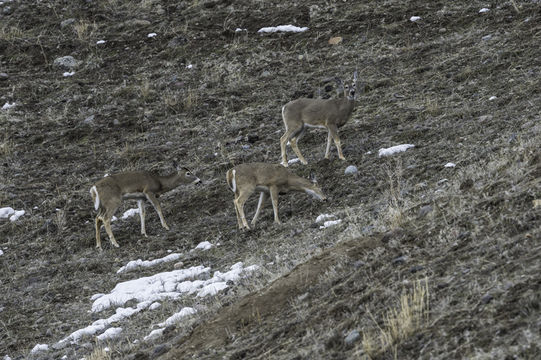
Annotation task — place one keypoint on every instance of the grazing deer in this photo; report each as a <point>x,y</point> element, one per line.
<point>268,179</point>
<point>108,193</point>
<point>329,114</point>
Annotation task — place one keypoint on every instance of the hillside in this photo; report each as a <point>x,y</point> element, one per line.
<point>429,261</point>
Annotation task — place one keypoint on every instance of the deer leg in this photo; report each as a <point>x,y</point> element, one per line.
<point>333,131</point>
<point>295,148</point>
<point>274,199</point>
<point>262,198</point>
<point>329,137</point>
<point>141,205</point>
<point>97,226</point>
<point>239,203</point>
<point>107,224</point>
<point>283,141</point>
<point>239,221</point>
<point>152,198</point>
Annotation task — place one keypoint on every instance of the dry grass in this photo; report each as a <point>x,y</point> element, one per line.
<point>399,324</point>
<point>99,353</point>
<point>84,29</point>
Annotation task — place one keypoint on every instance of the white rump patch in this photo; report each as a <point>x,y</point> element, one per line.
<point>94,191</point>
<point>234,181</point>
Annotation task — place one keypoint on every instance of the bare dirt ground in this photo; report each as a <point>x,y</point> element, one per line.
<point>462,85</point>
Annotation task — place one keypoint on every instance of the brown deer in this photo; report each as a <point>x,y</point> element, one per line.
<point>268,179</point>
<point>109,192</point>
<point>329,114</point>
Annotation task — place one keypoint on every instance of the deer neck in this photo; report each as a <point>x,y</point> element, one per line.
<point>169,182</point>
<point>300,184</point>
<point>345,108</point>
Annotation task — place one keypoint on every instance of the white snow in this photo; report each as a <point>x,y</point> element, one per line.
<point>415,18</point>
<point>154,334</point>
<point>6,212</point>
<point>101,324</point>
<point>450,165</point>
<point>205,245</point>
<point>189,66</point>
<point>134,264</point>
<point>394,149</point>
<point>293,161</point>
<point>212,289</point>
<point>284,28</point>
<point>151,35</point>
<point>1,253</point>
<point>326,224</point>
<point>239,30</point>
<point>39,347</point>
<point>484,10</point>
<point>96,296</point>
<point>324,217</point>
<point>110,333</point>
<point>154,306</point>
<point>129,213</point>
<point>16,215</point>
<point>99,42</point>
<point>7,105</point>
<point>175,318</point>
<point>492,98</point>
<point>68,73</point>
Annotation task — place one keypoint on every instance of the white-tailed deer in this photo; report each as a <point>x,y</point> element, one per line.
<point>108,193</point>
<point>329,114</point>
<point>268,179</point>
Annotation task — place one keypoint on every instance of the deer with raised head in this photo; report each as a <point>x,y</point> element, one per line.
<point>268,179</point>
<point>330,114</point>
<point>109,192</point>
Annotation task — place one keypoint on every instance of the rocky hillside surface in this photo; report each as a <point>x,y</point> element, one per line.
<point>437,253</point>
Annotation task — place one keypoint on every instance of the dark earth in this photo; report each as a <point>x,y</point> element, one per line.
<point>460,85</point>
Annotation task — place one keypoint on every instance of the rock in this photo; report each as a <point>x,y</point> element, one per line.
<point>252,138</point>
<point>416,268</point>
<point>177,41</point>
<point>89,120</point>
<point>178,265</point>
<point>351,170</point>
<point>359,263</point>
<point>68,62</point>
<point>424,210</point>
<point>400,260</point>
<point>159,350</point>
<point>352,337</point>
<point>67,22</point>
<point>483,118</point>
<point>486,299</point>
<point>4,76</point>
<point>265,74</point>
<point>466,184</point>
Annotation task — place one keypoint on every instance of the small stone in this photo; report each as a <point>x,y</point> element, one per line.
<point>89,120</point>
<point>265,74</point>
<point>416,268</point>
<point>252,138</point>
<point>178,265</point>
<point>424,210</point>
<point>400,260</point>
<point>68,62</point>
<point>483,118</point>
<point>245,147</point>
<point>359,263</point>
<point>160,350</point>
<point>442,30</point>
<point>4,76</point>
<point>486,37</point>
<point>486,299</point>
<point>335,40</point>
<point>116,122</point>
<point>351,170</point>
<point>67,22</point>
<point>352,337</point>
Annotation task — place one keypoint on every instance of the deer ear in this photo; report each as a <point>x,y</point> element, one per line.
<point>355,76</point>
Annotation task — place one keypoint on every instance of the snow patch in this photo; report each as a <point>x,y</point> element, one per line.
<point>293,161</point>
<point>99,42</point>
<point>175,318</point>
<point>205,245</point>
<point>6,212</point>
<point>324,217</point>
<point>134,264</point>
<point>110,333</point>
<point>394,149</point>
<point>7,105</point>
<point>326,224</point>
<point>39,347</point>
<point>68,73</point>
<point>129,213</point>
<point>483,10</point>
<point>449,165</point>
<point>284,28</point>
<point>151,35</point>
<point>415,18</point>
